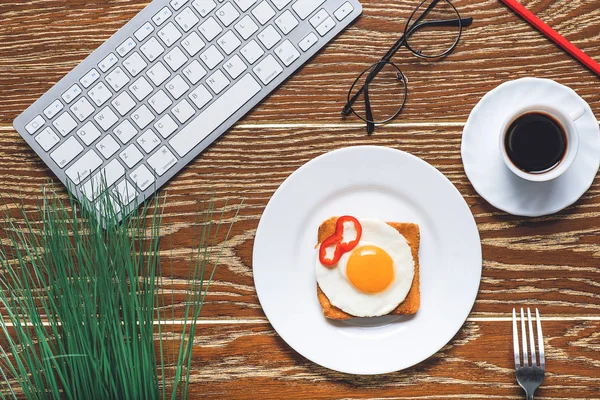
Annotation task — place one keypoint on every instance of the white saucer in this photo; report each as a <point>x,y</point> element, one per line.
<point>369,182</point>
<point>492,179</point>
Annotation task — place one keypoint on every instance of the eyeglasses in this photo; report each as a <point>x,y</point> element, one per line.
<point>379,93</point>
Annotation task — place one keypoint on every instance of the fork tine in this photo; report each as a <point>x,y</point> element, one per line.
<point>531,339</point>
<point>540,340</point>
<point>516,340</point>
<point>524,339</point>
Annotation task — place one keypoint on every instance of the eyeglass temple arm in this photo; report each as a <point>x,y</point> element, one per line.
<point>368,112</point>
<point>448,22</point>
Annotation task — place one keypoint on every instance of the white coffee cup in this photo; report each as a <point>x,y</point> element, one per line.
<point>563,117</point>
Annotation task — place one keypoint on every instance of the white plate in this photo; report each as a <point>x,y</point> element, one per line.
<point>369,182</point>
<point>483,162</point>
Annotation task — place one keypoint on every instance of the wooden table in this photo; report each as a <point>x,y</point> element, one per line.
<point>550,262</point>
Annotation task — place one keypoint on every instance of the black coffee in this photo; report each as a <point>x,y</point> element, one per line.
<point>535,142</point>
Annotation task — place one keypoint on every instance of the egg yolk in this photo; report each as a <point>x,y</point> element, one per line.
<point>370,269</point>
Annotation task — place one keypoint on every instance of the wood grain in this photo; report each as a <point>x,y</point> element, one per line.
<point>477,364</point>
<point>551,261</point>
<point>497,47</point>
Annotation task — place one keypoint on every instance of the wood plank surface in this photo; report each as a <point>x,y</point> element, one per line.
<point>548,262</point>
<point>497,47</point>
<point>551,261</point>
<point>477,364</point>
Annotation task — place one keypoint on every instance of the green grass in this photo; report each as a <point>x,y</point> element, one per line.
<point>82,306</point>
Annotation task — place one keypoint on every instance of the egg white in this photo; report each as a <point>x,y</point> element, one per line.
<point>342,294</point>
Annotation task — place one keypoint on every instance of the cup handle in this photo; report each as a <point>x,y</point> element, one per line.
<point>575,115</point>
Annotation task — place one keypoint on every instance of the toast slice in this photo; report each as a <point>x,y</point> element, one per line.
<point>410,305</point>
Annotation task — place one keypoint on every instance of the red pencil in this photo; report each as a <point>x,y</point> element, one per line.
<point>552,34</point>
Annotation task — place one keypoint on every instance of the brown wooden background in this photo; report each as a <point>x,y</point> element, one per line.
<point>550,262</point>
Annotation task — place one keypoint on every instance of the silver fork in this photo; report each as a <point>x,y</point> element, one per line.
<point>530,375</point>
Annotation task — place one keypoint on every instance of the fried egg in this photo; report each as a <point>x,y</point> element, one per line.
<point>374,277</point>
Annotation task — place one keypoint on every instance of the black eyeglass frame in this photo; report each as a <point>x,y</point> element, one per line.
<point>386,59</point>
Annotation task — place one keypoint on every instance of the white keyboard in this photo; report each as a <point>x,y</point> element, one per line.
<point>168,84</point>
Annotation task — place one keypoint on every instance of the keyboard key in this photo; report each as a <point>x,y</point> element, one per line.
<point>268,69</point>
<point>126,47</point>
<point>235,66</point>
<point>108,146</point>
<point>123,103</point>
<point>308,42</point>
<point>106,118</point>
<point>269,37</point>
<point>142,177</point>
<point>281,3</point>
<point>47,139</point>
<point>177,4</point>
<point>90,78</point>
<point>144,31</point>
<point>246,27</point>
<point>158,74</point>
<point>252,52</point>
<point>204,6</point>
<point>88,133</point>
<point>108,62</point>
<point>184,111</point>
<point>217,81</point>
<point>142,117</point>
<point>229,42</point>
<point>211,57</point>
<point>103,180</point>
<point>148,141</point>
<point>162,16</point>
<point>200,96</point>
<point>124,193</point>
<point>176,59</point>
<point>244,5</point>
<point>166,126</point>
<point>152,49</point>
<point>345,10</point>
<point>66,152</point>
<point>194,72</point>
<point>306,7</point>
<point>53,109</point>
<point>193,44</point>
<point>177,87</point>
<point>135,64</point>
<point>215,115</point>
<point>318,18</point>
<point>82,109</point>
<point>169,34</point>
<point>227,14</point>
<point>131,156</point>
<point>287,53</point>
<point>141,88</point>
<point>210,29</point>
<point>35,124</point>
<point>263,12</point>
<point>84,167</point>
<point>100,94</point>
<point>160,102</point>
<point>162,161</point>
<point>286,22</point>
<point>187,19</point>
<point>71,94</point>
<point>326,26</point>
<point>65,124</point>
<point>125,131</point>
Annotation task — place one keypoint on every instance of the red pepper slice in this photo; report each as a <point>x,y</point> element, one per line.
<point>330,241</point>
<point>339,227</point>
<point>336,239</point>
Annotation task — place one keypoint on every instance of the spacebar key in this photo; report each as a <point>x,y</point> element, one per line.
<point>215,115</point>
